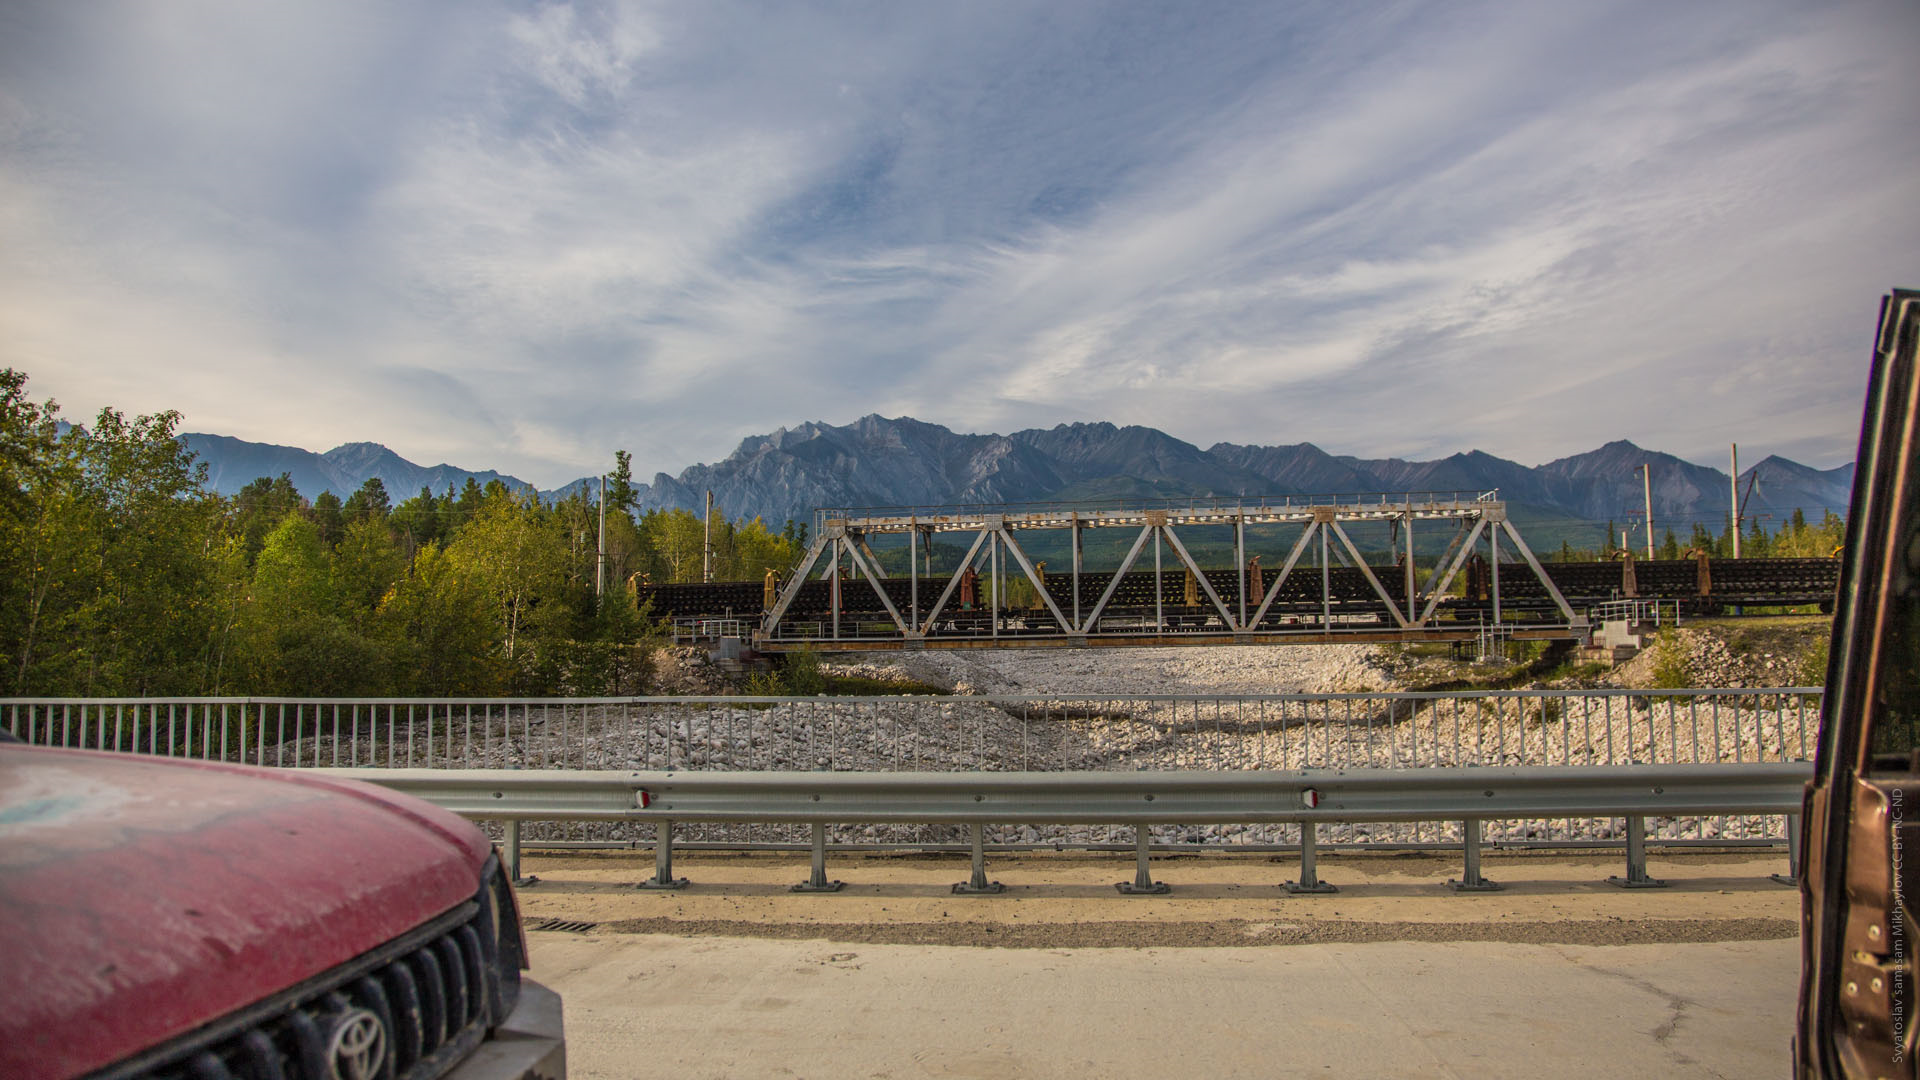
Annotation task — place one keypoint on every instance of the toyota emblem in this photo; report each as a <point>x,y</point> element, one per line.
<point>359,1046</point>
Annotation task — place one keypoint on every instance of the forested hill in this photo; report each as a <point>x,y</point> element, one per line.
<point>876,461</point>
<point>234,463</point>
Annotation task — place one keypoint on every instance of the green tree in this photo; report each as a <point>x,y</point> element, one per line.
<point>515,557</point>
<point>365,568</point>
<point>438,625</point>
<point>259,507</point>
<point>147,619</point>
<point>417,521</point>
<point>370,503</point>
<point>46,537</point>
<point>621,494</point>
<point>329,518</point>
<point>296,631</point>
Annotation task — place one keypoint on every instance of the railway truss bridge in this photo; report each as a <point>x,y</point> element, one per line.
<point>1319,587</point>
<point>997,595</point>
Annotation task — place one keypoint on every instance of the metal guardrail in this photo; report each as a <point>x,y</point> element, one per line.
<point>1308,797</point>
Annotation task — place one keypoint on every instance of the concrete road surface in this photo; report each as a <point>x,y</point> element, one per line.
<point>688,1007</point>
<point>1229,975</point>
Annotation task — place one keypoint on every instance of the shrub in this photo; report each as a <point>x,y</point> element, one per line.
<point>803,675</point>
<point>1672,667</point>
<point>1813,665</point>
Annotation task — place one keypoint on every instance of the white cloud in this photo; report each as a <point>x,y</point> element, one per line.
<point>522,236</point>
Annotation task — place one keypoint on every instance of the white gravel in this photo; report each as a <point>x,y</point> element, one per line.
<point>1225,669</point>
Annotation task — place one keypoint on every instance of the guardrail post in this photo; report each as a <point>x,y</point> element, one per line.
<point>1309,872</point>
<point>979,884</point>
<point>1792,876</point>
<point>1637,859</point>
<point>663,859</point>
<point>1470,879</point>
<point>818,882</point>
<point>1142,883</point>
<point>513,854</point>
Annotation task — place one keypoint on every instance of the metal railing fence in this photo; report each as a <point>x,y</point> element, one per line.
<point>1033,733</point>
<point>999,733</point>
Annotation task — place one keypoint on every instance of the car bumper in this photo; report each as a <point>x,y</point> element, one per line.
<point>531,1044</point>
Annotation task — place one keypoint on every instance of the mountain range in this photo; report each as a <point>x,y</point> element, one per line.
<point>876,461</point>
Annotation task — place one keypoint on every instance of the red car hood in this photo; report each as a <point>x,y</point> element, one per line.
<point>141,898</point>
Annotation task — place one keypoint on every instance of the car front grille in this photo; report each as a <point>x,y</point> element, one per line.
<point>408,1010</point>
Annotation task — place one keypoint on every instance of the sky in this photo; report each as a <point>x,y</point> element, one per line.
<point>521,236</point>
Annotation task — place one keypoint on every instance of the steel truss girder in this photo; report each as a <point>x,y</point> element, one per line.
<point>1040,586</point>
<point>1360,564</point>
<point>953,582</point>
<point>854,551</point>
<point>1540,572</point>
<point>1126,564</point>
<point>1293,557</point>
<point>1180,549</point>
<point>1323,522</point>
<point>1459,557</point>
<point>794,585</point>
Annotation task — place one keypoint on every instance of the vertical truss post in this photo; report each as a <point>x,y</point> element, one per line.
<point>818,882</point>
<point>1310,864</point>
<point>833,586</point>
<point>978,885</point>
<point>1142,883</point>
<point>1074,539</point>
<point>913,578</point>
<point>1326,571</point>
<point>1470,879</point>
<point>1159,615</point>
<point>993,580</point>
<point>1240,560</point>
<point>1413,600</point>
<point>1493,547</point>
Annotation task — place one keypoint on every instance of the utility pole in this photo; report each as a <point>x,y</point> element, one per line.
<point>1735,511</point>
<point>1646,477</point>
<point>600,570</point>
<point>706,544</point>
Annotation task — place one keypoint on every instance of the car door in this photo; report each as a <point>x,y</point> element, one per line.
<point>1860,878</point>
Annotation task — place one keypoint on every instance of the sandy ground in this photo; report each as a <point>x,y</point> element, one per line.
<point>1068,899</point>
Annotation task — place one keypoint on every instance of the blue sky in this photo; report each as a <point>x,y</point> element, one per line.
<point>519,236</point>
